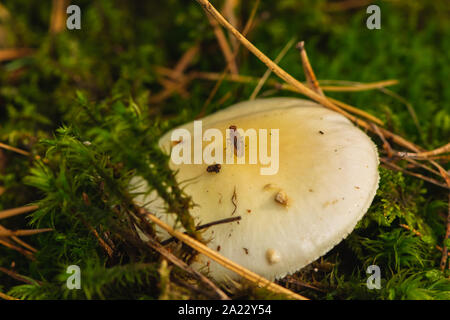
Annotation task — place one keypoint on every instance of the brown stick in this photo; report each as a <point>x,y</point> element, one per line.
<point>285,86</point>
<point>30,232</point>
<point>355,86</point>
<point>9,245</point>
<point>6,297</point>
<point>414,174</point>
<point>356,111</point>
<point>17,240</point>
<point>204,226</point>
<point>14,53</point>
<point>268,72</point>
<point>426,154</point>
<point>224,46</point>
<point>181,264</point>
<point>176,75</point>
<point>308,70</point>
<point>200,247</point>
<point>386,145</point>
<point>57,19</point>
<point>19,277</point>
<point>7,147</point>
<point>295,83</point>
<point>16,211</point>
<point>213,92</point>
<point>175,260</point>
<point>417,233</point>
<point>228,11</point>
<point>447,236</point>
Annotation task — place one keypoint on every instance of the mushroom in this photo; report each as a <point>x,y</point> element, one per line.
<point>325,183</point>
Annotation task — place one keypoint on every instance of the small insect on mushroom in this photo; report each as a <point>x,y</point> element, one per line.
<point>234,134</point>
<point>214,168</point>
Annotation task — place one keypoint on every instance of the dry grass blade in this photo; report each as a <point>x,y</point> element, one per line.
<point>308,70</point>
<point>206,225</point>
<point>151,242</point>
<point>18,241</point>
<point>15,53</point>
<point>299,87</point>
<point>224,46</point>
<point>268,72</point>
<point>7,147</point>
<point>16,211</point>
<point>417,233</point>
<point>185,61</point>
<point>426,154</point>
<point>9,245</point>
<point>421,165</point>
<point>6,297</point>
<point>358,86</point>
<point>176,75</point>
<point>228,11</point>
<point>312,82</point>
<point>391,165</point>
<point>447,236</point>
<point>30,232</point>
<point>408,105</point>
<point>355,86</point>
<point>245,273</point>
<point>386,146</point>
<point>181,264</point>
<point>222,76</point>
<point>19,277</point>
<point>58,16</point>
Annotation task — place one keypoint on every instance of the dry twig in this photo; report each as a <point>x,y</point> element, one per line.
<point>308,70</point>
<point>200,247</point>
<point>268,72</point>
<point>15,53</point>
<point>30,232</point>
<point>58,16</point>
<point>7,147</point>
<point>16,211</point>
<point>224,46</point>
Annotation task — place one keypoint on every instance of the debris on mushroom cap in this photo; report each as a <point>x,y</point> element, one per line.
<point>214,168</point>
<point>317,183</point>
<point>281,198</point>
<point>272,256</point>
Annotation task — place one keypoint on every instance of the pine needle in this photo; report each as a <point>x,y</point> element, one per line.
<point>6,297</point>
<point>28,232</point>
<point>16,211</point>
<point>17,150</point>
<point>58,16</point>
<point>268,72</point>
<point>14,53</point>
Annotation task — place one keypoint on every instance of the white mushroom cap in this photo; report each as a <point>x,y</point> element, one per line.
<point>327,179</point>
